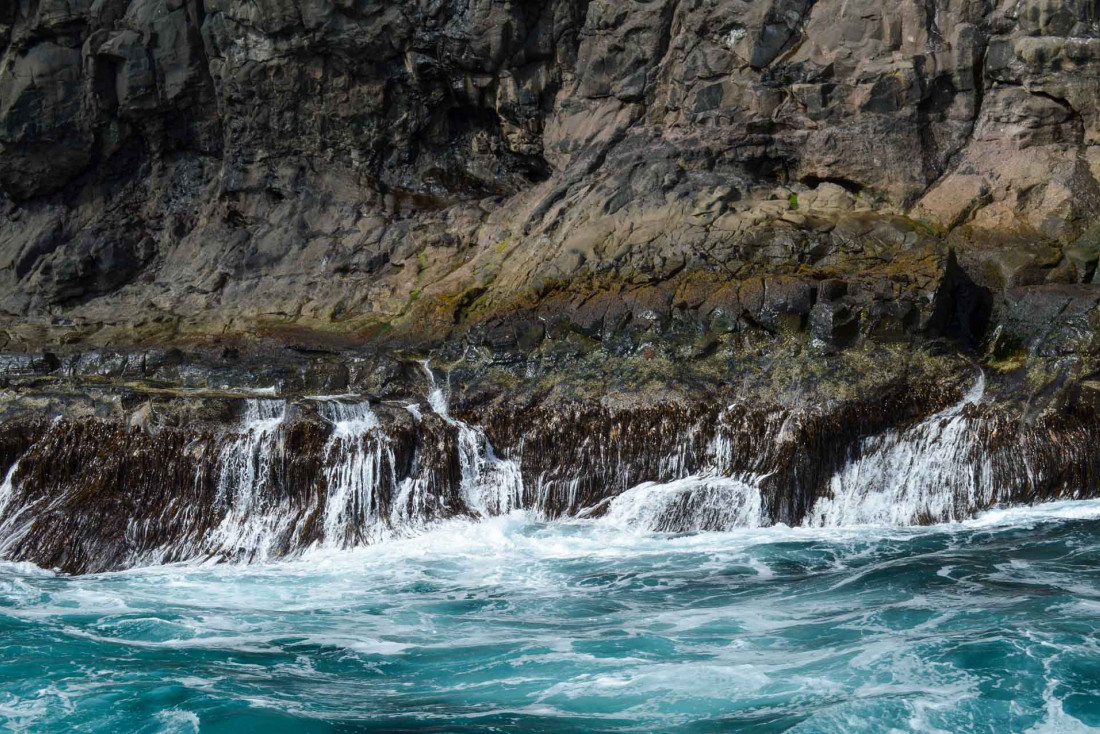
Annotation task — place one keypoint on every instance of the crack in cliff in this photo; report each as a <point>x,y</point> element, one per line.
<point>196,10</point>
<point>955,158</point>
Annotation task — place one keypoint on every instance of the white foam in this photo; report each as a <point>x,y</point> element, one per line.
<point>926,472</point>
<point>176,721</point>
<point>490,485</point>
<point>1031,514</point>
<point>690,504</point>
<point>23,568</point>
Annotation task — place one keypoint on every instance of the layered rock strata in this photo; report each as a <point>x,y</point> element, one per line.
<point>181,170</point>
<point>667,241</point>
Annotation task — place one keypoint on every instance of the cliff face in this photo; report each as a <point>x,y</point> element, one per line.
<point>176,169</point>
<point>646,241</point>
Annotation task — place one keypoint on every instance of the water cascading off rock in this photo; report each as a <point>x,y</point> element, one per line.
<point>333,472</point>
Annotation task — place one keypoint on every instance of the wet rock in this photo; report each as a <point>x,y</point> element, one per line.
<point>109,494</point>
<point>1052,320</point>
<point>834,324</point>
<point>786,303</point>
<point>13,365</point>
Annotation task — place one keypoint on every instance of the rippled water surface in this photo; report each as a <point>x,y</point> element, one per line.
<point>513,625</point>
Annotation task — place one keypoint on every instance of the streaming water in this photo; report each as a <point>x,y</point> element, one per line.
<point>490,485</point>
<point>358,458</point>
<point>510,624</point>
<point>255,519</point>
<point>904,477</point>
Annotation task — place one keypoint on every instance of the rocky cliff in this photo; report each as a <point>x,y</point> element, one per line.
<point>177,170</point>
<point>836,212</point>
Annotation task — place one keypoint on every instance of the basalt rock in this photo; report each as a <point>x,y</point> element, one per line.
<point>649,241</point>
<point>329,175</point>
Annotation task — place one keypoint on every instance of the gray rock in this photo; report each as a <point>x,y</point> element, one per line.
<point>178,169</point>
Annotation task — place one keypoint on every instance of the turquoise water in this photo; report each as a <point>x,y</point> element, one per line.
<point>515,625</point>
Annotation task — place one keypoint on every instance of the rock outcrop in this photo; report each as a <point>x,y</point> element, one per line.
<point>182,170</point>
<point>627,232</point>
<point>210,477</point>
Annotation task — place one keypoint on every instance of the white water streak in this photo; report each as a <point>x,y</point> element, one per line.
<point>12,531</point>
<point>7,489</point>
<point>357,454</point>
<point>253,521</point>
<point>920,474</point>
<point>490,485</point>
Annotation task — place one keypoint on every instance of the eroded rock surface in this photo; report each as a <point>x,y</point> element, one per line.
<point>175,170</point>
<point>624,233</point>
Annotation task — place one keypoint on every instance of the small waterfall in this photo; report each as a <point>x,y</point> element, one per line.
<point>358,459</point>
<point>705,490</point>
<point>437,396</point>
<point>364,501</point>
<point>10,531</point>
<point>7,489</point>
<point>254,519</point>
<point>691,504</point>
<point>926,473</point>
<point>272,488</point>
<point>348,415</point>
<point>245,461</point>
<point>490,485</point>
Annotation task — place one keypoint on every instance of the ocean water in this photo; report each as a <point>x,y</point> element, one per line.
<point>587,626</point>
